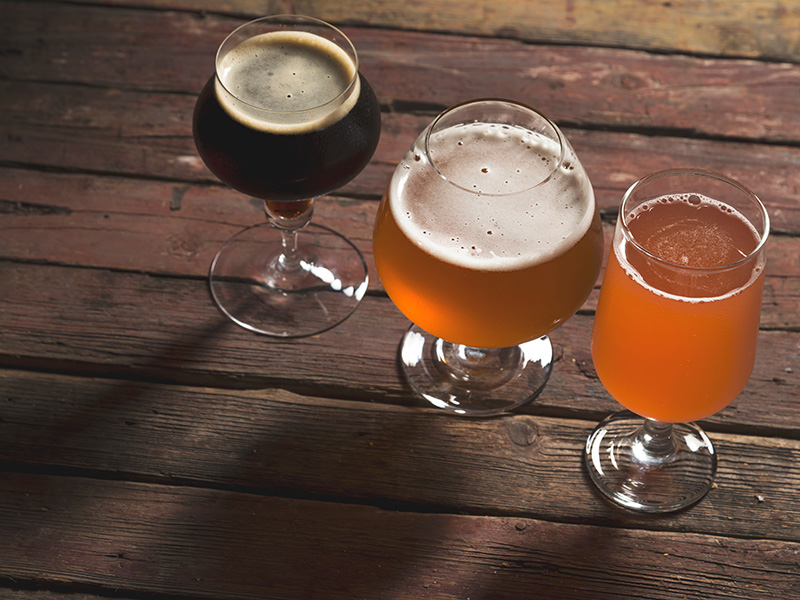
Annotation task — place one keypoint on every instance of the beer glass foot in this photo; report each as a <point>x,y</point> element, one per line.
<point>648,466</point>
<point>252,286</point>
<point>474,382</point>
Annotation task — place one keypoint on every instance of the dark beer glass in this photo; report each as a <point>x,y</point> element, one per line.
<point>287,118</point>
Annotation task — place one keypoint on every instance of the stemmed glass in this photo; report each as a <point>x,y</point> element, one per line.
<point>674,337</point>
<point>287,118</point>
<point>487,238</point>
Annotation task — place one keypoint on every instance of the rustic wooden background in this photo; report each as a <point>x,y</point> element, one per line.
<point>151,449</point>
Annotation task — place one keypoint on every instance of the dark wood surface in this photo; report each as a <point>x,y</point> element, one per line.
<point>149,448</point>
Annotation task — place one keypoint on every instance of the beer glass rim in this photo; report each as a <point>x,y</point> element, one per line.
<point>559,136</point>
<point>289,19</point>
<point>630,238</point>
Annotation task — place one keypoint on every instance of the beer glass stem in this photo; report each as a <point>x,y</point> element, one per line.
<point>289,218</point>
<point>289,259</point>
<point>654,444</point>
<point>476,368</point>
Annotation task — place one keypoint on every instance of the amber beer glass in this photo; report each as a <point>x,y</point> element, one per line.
<point>674,337</point>
<point>487,239</point>
<point>286,118</point>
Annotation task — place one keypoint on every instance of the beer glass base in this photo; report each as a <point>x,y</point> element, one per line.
<point>474,382</point>
<point>647,466</point>
<point>322,291</point>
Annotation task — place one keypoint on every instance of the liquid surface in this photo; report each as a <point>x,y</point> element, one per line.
<point>287,82</point>
<point>692,231</point>
<point>498,215</point>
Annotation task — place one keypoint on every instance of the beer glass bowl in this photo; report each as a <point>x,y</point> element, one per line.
<point>287,118</point>
<point>674,336</point>
<point>487,239</point>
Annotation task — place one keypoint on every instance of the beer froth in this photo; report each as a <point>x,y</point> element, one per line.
<point>496,197</point>
<point>287,82</point>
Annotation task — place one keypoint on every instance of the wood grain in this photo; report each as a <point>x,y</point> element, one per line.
<point>73,128</point>
<point>575,85</point>
<point>138,325</point>
<point>272,441</point>
<point>219,544</point>
<point>149,448</point>
<point>69,128</point>
<point>756,28</point>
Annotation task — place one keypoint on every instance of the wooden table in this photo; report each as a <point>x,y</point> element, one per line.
<point>149,448</point>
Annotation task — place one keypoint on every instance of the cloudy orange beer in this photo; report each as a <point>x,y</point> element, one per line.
<point>677,319</point>
<point>492,240</point>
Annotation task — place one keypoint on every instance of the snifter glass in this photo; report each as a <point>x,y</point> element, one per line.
<point>487,239</point>
<point>267,126</point>
<point>674,336</point>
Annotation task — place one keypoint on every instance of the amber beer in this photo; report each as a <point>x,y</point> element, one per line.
<point>493,242</point>
<point>287,117</point>
<point>677,320</point>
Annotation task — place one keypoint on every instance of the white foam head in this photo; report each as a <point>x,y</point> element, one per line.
<point>495,197</point>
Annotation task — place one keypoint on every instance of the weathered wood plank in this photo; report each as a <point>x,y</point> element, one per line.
<point>275,442</point>
<point>585,86</point>
<point>176,228</point>
<point>100,182</point>
<point>756,28</point>
<point>149,135</point>
<point>15,593</point>
<point>215,544</point>
<point>94,320</point>
<point>83,220</point>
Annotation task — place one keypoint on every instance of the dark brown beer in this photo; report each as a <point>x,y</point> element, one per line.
<point>277,143</point>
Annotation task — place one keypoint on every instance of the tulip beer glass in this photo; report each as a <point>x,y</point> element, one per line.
<point>287,118</point>
<point>674,337</point>
<point>487,238</point>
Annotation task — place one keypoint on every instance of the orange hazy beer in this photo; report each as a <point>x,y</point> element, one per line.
<point>675,331</point>
<point>475,249</point>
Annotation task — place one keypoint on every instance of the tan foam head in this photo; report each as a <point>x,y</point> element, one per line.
<point>287,82</point>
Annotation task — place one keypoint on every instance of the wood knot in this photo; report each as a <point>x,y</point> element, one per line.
<point>628,81</point>
<point>522,433</point>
